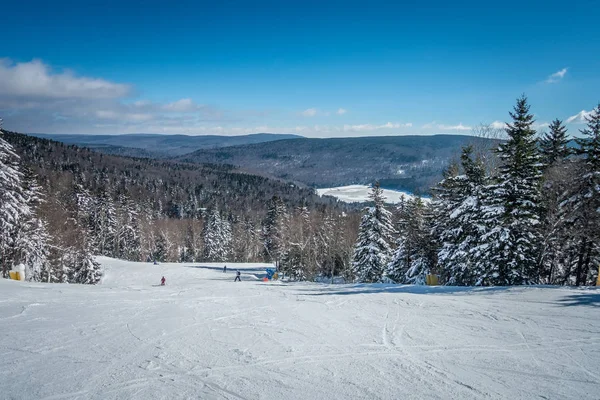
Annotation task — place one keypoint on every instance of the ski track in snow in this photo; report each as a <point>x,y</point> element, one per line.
<point>204,336</point>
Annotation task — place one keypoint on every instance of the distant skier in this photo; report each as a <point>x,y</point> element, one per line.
<point>162,281</point>
<point>225,269</point>
<point>155,262</point>
<point>237,276</point>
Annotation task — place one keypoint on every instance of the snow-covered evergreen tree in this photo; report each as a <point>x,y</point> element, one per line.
<point>105,224</point>
<point>14,209</point>
<point>373,250</point>
<point>554,145</point>
<point>161,249</point>
<point>226,240</point>
<point>414,256</point>
<point>84,268</point>
<point>457,206</point>
<point>37,251</point>
<point>33,237</point>
<point>216,237</point>
<point>582,208</point>
<point>556,236</point>
<point>187,252</point>
<point>127,238</point>
<point>298,262</point>
<point>273,231</point>
<point>508,251</point>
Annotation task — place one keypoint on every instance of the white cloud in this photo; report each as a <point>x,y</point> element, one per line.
<point>310,112</point>
<point>459,127</point>
<point>372,127</point>
<point>314,112</point>
<point>579,118</point>
<point>498,125</point>
<point>183,105</point>
<point>123,116</point>
<point>557,76</point>
<point>35,80</point>
<point>107,114</point>
<point>502,125</point>
<point>435,126</point>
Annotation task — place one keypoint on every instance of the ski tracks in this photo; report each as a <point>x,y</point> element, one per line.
<point>392,339</point>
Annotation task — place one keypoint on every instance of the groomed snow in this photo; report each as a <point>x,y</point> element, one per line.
<point>205,337</point>
<point>360,194</point>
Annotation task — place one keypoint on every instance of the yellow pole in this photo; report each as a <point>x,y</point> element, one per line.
<point>598,277</point>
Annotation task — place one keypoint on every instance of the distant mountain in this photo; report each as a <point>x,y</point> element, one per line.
<point>160,146</point>
<point>412,163</point>
<point>163,186</point>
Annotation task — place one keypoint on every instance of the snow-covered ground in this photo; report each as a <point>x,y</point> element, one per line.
<point>205,337</point>
<point>360,194</point>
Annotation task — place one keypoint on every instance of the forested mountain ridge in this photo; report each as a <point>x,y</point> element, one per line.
<point>160,146</point>
<point>413,163</point>
<point>169,183</point>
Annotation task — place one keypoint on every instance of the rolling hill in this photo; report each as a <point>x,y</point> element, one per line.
<point>412,163</point>
<point>160,146</point>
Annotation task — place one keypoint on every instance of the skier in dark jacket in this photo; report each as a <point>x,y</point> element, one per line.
<point>225,269</point>
<point>237,276</point>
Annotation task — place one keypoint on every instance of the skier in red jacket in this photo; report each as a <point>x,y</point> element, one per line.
<point>162,281</point>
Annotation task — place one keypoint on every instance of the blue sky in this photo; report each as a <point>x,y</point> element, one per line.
<point>319,69</point>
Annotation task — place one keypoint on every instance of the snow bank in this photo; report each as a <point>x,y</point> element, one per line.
<point>204,336</point>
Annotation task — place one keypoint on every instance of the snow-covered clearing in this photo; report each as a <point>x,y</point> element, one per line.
<point>205,337</point>
<point>360,194</point>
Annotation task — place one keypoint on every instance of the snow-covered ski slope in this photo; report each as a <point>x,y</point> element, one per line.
<point>205,337</point>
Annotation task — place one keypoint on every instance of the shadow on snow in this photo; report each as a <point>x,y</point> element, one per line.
<point>584,299</point>
<point>391,288</point>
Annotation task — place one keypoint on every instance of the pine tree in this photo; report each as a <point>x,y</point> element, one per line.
<point>583,205</point>
<point>298,261</point>
<point>554,145</point>
<point>246,243</point>
<point>34,239</point>
<point>457,207</point>
<point>37,251</point>
<point>226,240</point>
<point>127,236</point>
<point>161,247</point>
<point>509,249</point>
<point>555,235</point>
<point>330,247</point>
<point>274,230</point>
<point>85,269</point>
<point>13,204</point>
<point>372,250</point>
<point>188,250</point>
<point>105,234</point>
<point>414,256</point>
<point>216,236</point>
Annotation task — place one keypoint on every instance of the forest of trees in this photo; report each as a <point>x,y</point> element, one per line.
<point>146,210</point>
<point>526,213</point>
<point>532,216</point>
